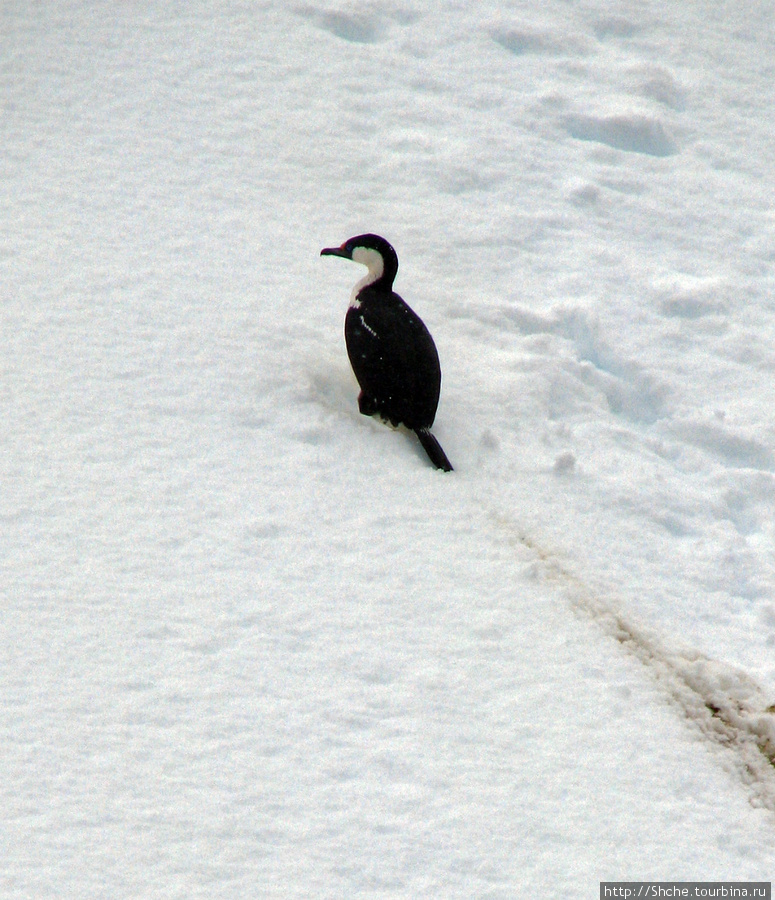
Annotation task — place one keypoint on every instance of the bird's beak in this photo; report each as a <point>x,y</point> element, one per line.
<point>335,251</point>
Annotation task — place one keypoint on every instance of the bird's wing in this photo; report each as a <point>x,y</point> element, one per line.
<point>394,359</point>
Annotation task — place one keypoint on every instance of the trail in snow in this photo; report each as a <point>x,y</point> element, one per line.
<point>726,705</point>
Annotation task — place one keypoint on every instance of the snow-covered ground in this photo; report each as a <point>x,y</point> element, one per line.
<point>252,644</point>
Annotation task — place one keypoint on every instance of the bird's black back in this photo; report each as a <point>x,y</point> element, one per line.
<point>394,358</point>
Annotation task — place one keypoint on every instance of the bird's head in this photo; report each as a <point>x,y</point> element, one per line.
<point>372,251</point>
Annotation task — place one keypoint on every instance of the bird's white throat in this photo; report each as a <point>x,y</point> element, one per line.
<point>374,262</point>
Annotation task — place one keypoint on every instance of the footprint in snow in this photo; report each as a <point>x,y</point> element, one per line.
<point>735,450</point>
<point>631,132</point>
<point>358,28</point>
<point>521,42</point>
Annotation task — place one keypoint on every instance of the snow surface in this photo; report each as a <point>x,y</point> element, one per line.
<point>252,644</point>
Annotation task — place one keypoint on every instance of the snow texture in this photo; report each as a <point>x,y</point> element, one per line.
<point>253,645</point>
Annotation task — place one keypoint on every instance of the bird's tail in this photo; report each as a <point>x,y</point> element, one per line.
<point>433,448</point>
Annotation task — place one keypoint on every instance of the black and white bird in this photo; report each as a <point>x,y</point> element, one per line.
<point>391,351</point>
